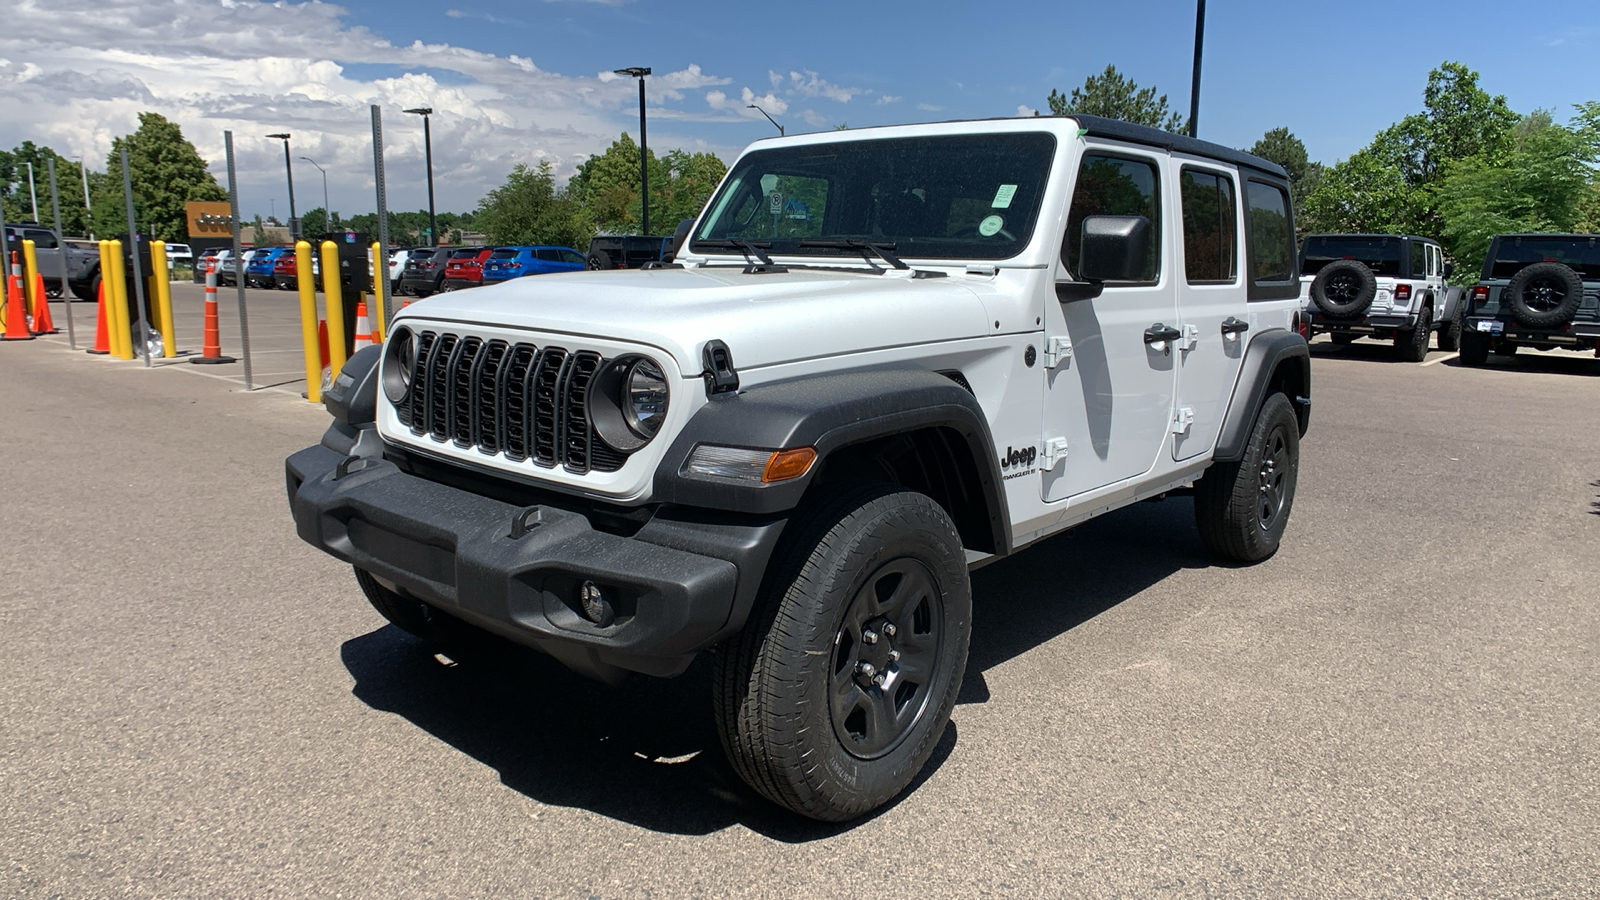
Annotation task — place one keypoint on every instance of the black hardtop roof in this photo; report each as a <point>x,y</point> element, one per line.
<point>1414,237</point>
<point>1101,126</point>
<point>1550,234</point>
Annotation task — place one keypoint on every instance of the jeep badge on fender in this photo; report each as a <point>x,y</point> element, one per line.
<point>561,461</point>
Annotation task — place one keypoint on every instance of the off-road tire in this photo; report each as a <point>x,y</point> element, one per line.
<point>1503,349</point>
<point>779,683</point>
<point>1450,329</point>
<point>1344,289</point>
<point>1412,343</point>
<point>1474,348</point>
<point>599,260</point>
<point>90,293</point>
<point>1544,295</point>
<point>412,616</point>
<point>1238,520</point>
<point>1342,338</point>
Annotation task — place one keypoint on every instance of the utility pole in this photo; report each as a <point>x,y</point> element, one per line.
<point>640,72</point>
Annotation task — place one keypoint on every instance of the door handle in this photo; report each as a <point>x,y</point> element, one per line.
<point>1230,325</point>
<point>1159,333</point>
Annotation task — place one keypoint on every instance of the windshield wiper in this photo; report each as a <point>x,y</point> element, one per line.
<point>884,249</point>
<point>750,248</point>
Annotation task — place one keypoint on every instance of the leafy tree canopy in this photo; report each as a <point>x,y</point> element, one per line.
<point>1111,95</point>
<point>166,172</point>
<point>19,200</point>
<point>530,209</point>
<point>607,187</point>
<point>1281,146</point>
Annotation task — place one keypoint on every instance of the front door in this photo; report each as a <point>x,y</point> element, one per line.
<point>1109,396</point>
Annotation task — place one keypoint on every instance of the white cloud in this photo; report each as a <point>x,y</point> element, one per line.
<point>74,74</point>
<point>813,118</point>
<point>810,84</point>
<point>887,99</point>
<point>930,107</point>
<point>1024,109</point>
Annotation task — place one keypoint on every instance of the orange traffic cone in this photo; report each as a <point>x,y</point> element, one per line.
<point>102,336</point>
<point>363,325</point>
<point>41,308</point>
<point>211,348</point>
<point>16,306</point>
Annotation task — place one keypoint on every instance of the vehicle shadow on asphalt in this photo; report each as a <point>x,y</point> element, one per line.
<point>646,752</point>
<point>1534,361</point>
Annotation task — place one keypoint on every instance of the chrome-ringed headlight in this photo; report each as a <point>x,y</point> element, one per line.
<point>628,402</point>
<point>399,360</point>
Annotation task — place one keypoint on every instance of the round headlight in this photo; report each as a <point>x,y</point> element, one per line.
<point>644,398</point>
<point>400,358</point>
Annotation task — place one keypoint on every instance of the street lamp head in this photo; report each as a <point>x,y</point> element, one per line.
<point>634,72</point>
<point>421,111</point>
<point>284,137</point>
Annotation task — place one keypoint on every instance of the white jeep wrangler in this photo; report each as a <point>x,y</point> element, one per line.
<point>882,357</point>
<point>1388,286</point>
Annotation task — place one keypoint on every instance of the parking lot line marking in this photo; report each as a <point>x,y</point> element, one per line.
<point>1445,358</point>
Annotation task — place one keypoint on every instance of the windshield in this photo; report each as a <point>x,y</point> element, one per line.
<point>1381,254</point>
<point>1512,254</point>
<point>504,254</point>
<point>947,196</point>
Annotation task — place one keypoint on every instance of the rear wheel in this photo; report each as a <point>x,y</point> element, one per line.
<point>832,698</point>
<point>599,260</point>
<point>1474,348</point>
<point>1242,508</point>
<point>1412,343</point>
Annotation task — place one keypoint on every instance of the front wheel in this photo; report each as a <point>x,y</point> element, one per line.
<point>1242,508</point>
<point>832,698</point>
<point>409,615</point>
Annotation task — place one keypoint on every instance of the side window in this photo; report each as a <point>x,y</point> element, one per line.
<point>1115,186</point>
<point>1208,227</point>
<point>1419,259</point>
<point>571,256</point>
<point>1270,242</point>
<point>42,240</point>
<point>547,255</point>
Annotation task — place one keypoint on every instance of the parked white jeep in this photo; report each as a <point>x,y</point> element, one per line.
<point>881,358</point>
<point>1387,286</point>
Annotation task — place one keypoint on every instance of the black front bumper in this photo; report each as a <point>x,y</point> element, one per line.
<point>456,550</point>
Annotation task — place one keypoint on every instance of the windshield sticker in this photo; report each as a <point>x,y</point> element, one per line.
<point>991,226</point>
<point>1002,197</point>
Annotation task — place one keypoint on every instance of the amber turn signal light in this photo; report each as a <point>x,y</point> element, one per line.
<point>785,465</point>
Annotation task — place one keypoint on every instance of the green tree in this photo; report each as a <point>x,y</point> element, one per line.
<point>1542,183</point>
<point>1281,146</point>
<point>607,187</point>
<point>692,177</point>
<point>1361,194</point>
<point>1111,95</point>
<point>18,201</point>
<point>166,172</point>
<point>530,209</point>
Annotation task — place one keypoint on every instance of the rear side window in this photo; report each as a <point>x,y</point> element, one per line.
<point>1419,259</point>
<point>547,254</point>
<point>1209,238</point>
<point>1270,242</point>
<point>1115,186</point>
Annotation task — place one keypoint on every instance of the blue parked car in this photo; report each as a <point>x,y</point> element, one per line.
<point>506,263</point>
<point>258,271</point>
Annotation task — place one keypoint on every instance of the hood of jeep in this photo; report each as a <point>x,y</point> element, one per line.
<point>765,319</point>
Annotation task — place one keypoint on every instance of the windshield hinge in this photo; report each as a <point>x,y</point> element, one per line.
<point>1057,350</point>
<point>976,269</point>
<point>720,375</point>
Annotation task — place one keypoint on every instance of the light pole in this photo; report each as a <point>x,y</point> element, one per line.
<point>88,208</point>
<point>1194,87</point>
<point>288,165</point>
<point>427,149</point>
<point>327,212</point>
<point>644,156</point>
<point>769,118</point>
<point>34,193</point>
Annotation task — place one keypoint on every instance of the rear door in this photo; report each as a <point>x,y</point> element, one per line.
<point>1213,311</point>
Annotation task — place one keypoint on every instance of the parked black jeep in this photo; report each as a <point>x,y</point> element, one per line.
<point>1537,290</point>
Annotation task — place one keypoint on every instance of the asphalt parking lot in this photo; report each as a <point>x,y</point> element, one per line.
<point>1405,701</point>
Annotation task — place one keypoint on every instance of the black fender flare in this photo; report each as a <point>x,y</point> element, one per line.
<point>1267,352</point>
<point>828,413</point>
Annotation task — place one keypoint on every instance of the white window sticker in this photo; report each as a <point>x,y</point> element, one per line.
<point>991,226</point>
<point>1002,197</point>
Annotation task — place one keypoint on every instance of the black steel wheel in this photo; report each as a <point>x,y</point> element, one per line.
<point>1242,507</point>
<point>832,698</point>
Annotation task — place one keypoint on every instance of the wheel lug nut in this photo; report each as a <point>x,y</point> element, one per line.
<point>894,654</point>
<point>869,636</point>
<point>878,680</point>
<point>866,669</point>
<point>889,629</point>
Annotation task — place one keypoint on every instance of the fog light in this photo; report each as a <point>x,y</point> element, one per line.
<point>594,604</point>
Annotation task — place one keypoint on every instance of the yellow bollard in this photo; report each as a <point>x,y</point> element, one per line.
<point>380,291</point>
<point>30,260</point>
<point>308,320</point>
<point>163,286</point>
<point>333,298</point>
<point>117,298</point>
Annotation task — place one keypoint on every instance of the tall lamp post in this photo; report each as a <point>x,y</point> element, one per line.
<point>644,157</point>
<point>769,118</point>
<point>288,166</point>
<point>34,193</point>
<point>427,149</point>
<point>88,208</point>
<point>327,211</point>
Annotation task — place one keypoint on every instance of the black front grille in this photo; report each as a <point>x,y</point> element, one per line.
<point>524,401</point>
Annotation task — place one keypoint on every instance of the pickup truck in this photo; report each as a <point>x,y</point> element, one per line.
<point>77,264</point>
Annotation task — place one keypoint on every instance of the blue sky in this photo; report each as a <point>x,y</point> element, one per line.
<point>524,81</point>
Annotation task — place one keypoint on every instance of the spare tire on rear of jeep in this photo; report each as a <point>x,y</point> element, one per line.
<point>1344,288</point>
<point>1544,295</point>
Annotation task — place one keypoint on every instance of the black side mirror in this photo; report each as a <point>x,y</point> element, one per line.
<point>679,235</point>
<point>1449,269</point>
<point>1114,248</point>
